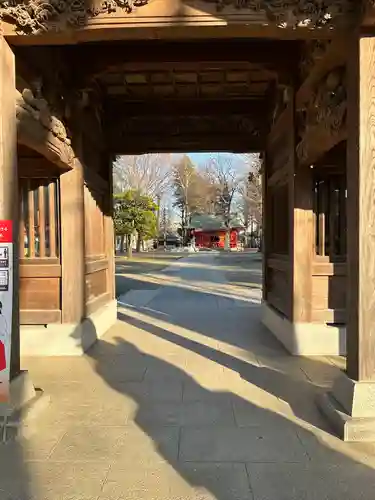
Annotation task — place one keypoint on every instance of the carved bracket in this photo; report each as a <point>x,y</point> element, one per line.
<point>40,130</point>
<point>324,118</point>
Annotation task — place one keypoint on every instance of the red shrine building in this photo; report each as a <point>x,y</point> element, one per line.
<point>209,231</point>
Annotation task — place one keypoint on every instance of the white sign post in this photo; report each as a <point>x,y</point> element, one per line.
<point>6,305</point>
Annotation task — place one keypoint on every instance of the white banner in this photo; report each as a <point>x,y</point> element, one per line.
<point>6,305</point>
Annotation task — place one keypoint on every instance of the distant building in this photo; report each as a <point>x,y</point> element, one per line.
<point>209,231</point>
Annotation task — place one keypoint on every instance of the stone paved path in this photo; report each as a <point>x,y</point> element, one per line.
<point>187,397</point>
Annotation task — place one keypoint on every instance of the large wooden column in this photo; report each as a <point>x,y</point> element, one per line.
<point>351,405</point>
<point>361,211</point>
<point>72,244</point>
<point>9,180</point>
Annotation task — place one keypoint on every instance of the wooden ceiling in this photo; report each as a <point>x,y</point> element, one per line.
<point>174,96</point>
<point>187,81</point>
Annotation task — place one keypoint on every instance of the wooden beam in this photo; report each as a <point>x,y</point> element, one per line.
<point>93,60</point>
<point>361,210</point>
<point>119,108</point>
<point>9,194</point>
<point>38,167</point>
<point>40,270</point>
<point>149,144</point>
<point>173,29</point>
<point>40,316</point>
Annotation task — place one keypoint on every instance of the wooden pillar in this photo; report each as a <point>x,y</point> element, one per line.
<point>361,210</point>
<point>72,244</point>
<point>350,406</point>
<point>109,232</point>
<point>301,231</point>
<point>9,181</point>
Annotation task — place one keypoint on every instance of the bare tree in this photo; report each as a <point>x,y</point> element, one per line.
<point>191,190</point>
<point>224,176</point>
<point>250,191</point>
<point>149,174</point>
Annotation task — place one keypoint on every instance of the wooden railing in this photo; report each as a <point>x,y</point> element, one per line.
<point>39,219</point>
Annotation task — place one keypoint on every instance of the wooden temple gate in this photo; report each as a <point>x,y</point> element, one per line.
<point>82,81</point>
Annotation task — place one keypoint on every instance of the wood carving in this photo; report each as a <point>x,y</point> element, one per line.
<point>38,16</point>
<point>297,13</point>
<point>314,50</point>
<point>39,110</point>
<point>39,129</point>
<point>323,121</point>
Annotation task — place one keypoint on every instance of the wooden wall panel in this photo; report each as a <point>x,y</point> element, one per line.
<point>40,293</point>
<point>278,286</point>
<point>96,284</point>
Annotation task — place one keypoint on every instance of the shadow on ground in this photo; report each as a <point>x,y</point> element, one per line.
<point>186,397</point>
<point>217,445</point>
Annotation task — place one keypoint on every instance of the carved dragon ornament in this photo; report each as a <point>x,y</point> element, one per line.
<point>38,16</point>
<point>325,112</point>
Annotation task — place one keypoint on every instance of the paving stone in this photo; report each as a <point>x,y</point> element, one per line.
<point>186,414</point>
<point>231,444</point>
<point>122,368</point>
<point>59,368</point>
<point>191,399</point>
<point>325,448</point>
<point>145,445</point>
<point>116,412</point>
<point>92,443</point>
<point>167,390</point>
<point>54,480</point>
<point>37,447</point>
<point>214,393</point>
<point>179,481</point>
<point>314,482</point>
<point>267,411</point>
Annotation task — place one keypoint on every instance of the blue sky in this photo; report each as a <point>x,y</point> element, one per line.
<point>202,158</point>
